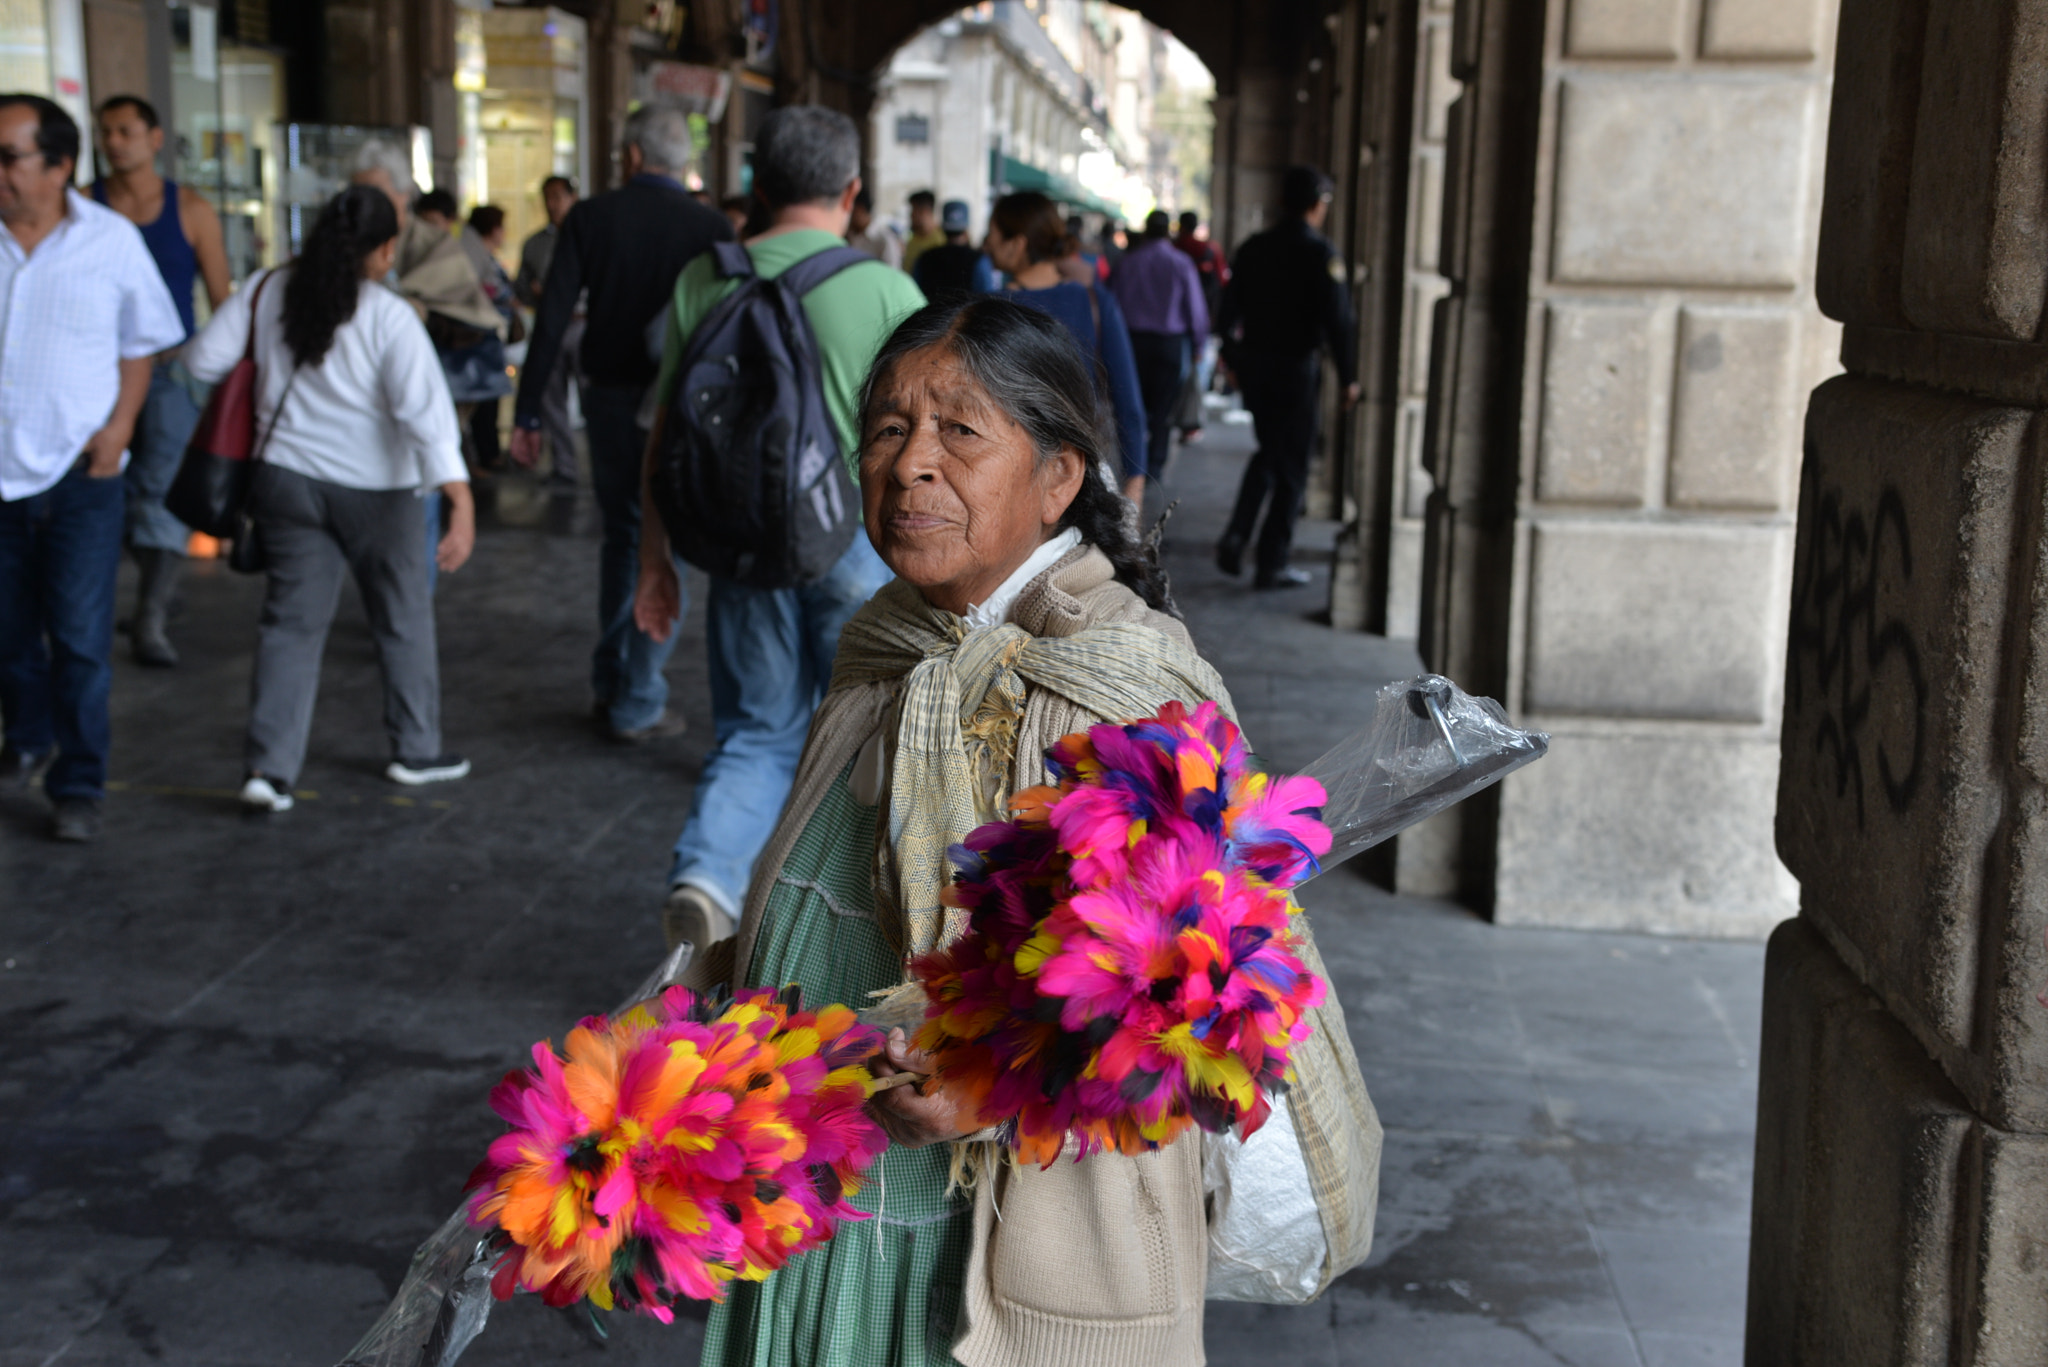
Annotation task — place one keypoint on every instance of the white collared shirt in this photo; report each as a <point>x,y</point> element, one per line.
<point>374,414</point>
<point>87,298</point>
<point>996,609</point>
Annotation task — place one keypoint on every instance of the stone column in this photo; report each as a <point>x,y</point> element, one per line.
<point>1901,1207</point>
<point>1611,530</point>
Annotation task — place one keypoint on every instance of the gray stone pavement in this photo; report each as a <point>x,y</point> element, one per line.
<point>245,1060</point>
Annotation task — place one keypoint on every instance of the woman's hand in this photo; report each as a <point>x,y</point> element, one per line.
<point>460,538</point>
<point>918,1113</point>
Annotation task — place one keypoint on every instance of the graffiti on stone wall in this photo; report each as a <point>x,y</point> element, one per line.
<point>1855,683</point>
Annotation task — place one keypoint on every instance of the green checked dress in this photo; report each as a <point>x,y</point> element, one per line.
<point>886,1291</point>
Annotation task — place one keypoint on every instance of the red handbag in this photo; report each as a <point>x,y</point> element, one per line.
<point>211,491</point>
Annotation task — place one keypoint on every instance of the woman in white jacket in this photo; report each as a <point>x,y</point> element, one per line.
<point>355,424</point>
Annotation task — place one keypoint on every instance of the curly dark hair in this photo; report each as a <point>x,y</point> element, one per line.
<point>1030,367</point>
<point>327,277</point>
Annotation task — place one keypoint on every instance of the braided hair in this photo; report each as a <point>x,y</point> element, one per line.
<point>327,277</point>
<point>1031,368</point>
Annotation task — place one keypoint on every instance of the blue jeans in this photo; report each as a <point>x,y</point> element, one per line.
<point>168,416</point>
<point>770,657</point>
<point>625,669</point>
<point>59,553</point>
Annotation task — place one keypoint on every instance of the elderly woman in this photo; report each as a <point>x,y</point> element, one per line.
<point>1023,610</point>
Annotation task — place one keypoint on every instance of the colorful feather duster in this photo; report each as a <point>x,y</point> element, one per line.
<point>1128,969</point>
<point>677,1146</point>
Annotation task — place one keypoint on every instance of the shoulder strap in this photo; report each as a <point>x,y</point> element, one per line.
<point>733,261</point>
<point>249,353</point>
<point>249,347</point>
<point>813,271</point>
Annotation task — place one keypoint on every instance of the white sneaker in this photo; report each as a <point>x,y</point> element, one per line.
<point>440,769</point>
<point>266,795</point>
<point>689,915</point>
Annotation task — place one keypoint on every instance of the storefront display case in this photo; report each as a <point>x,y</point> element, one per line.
<point>524,108</point>
<point>227,101</point>
<point>315,161</point>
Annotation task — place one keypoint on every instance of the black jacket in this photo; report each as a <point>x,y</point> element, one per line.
<point>626,247</point>
<point>1287,295</point>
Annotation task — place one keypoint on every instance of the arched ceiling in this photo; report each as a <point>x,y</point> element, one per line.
<point>861,37</point>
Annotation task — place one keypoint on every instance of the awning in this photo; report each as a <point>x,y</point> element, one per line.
<point>1022,175</point>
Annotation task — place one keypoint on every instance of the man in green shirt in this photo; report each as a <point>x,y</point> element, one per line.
<point>769,651</point>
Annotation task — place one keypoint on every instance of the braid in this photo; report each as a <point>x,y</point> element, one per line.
<point>1108,521</point>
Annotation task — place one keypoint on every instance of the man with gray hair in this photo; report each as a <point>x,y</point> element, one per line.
<point>625,248</point>
<point>769,651</point>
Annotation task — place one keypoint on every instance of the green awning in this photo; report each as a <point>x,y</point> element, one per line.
<point>1022,175</point>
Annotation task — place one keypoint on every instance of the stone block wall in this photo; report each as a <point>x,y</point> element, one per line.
<point>1671,336</point>
<point>1435,91</point>
<point>1906,1074</point>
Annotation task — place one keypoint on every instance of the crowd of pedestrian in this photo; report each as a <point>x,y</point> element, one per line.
<point>380,361</point>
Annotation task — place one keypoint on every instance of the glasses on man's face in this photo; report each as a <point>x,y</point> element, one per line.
<point>9,156</point>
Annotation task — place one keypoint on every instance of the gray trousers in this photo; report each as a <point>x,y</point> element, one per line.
<point>314,535</point>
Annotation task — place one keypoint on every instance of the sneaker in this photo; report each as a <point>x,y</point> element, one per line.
<point>76,820</point>
<point>23,767</point>
<point>1286,577</point>
<point>690,916</point>
<point>440,769</point>
<point>669,723</point>
<point>266,794</point>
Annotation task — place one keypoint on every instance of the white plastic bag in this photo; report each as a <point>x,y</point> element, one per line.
<point>1266,1240</point>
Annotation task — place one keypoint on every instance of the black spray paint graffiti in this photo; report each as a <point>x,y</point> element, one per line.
<point>1843,647</point>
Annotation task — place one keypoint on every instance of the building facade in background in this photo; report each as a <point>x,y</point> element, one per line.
<point>1058,96</point>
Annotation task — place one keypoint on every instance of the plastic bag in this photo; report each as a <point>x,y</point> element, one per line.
<point>1428,746</point>
<point>445,1299</point>
<point>1266,1240</point>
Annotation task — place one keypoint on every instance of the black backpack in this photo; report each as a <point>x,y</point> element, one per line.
<point>749,479</point>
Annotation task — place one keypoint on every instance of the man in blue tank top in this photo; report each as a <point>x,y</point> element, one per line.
<point>184,236</point>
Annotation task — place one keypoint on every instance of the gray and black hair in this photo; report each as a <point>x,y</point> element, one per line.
<point>56,131</point>
<point>661,130</point>
<point>379,155</point>
<point>803,154</point>
<point>1030,367</point>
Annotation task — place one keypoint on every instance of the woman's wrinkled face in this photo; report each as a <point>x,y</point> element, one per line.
<point>955,494</point>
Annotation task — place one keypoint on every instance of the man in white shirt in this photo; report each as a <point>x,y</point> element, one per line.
<point>83,311</point>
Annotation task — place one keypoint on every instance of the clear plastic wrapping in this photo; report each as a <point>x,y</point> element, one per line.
<point>1428,746</point>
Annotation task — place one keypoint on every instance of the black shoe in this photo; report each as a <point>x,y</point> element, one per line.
<point>1230,555</point>
<point>75,819</point>
<point>21,767</point>
<point>1286,577</point>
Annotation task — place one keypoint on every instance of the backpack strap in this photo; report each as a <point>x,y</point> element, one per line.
<point>733,261</point>
<point>813,271</point>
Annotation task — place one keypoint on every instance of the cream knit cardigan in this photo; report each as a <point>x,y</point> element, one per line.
<point>1100,1263</point>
